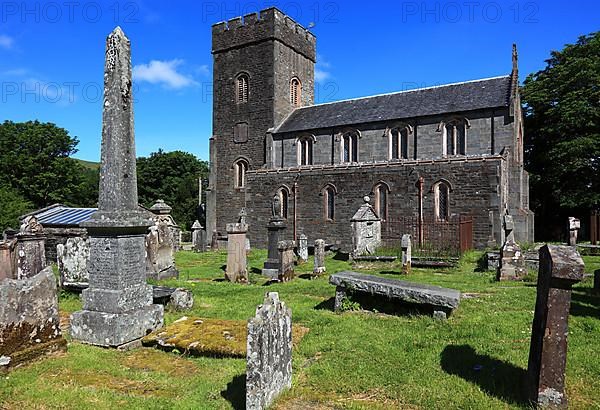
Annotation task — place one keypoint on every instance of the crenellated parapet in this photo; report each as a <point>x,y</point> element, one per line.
<point>269,24</point>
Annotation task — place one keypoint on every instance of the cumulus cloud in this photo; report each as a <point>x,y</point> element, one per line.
<point>164,73</point>
<point>322,69</point>
<point>6,41</point>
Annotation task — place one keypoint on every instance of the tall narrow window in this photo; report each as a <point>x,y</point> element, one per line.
<point>381,200</point>
<point>398,143</point>
<point>284,202</point>
<point>350,147</point>
<point>242,88</point>
<point>454,140</point>
<point>240,167</point>
<point>295,92</point>
<point>329,203</point>
<point>305,151</point>
<point>442,200</point>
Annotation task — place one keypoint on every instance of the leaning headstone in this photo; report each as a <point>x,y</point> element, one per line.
<point>406,246</point>
<point>269,353</point>
<point>366,229</point>
<point>198,237</point>
<point>72,259</point>
<point>275,229</point>
<point>287,258</point>
<point>319,268</point>
<point>31,254</point>
<point>29,322</point>
<point>237,269</point>
<point>117,305</point>
<point>8,259</point>
<point>560,268</point>
<point>302,248</point>
<point>512,261</point>
<point>574,226</point>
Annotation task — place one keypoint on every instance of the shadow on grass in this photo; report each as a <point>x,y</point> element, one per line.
<point>306,276</point>
<point>326,304</point>
<point>341,256</point>
<point>584,302</point>
<point>495,377</point>
<point>256,270</point>
<point>236,392</point>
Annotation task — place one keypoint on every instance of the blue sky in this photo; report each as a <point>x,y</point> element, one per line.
<point>51,55</point>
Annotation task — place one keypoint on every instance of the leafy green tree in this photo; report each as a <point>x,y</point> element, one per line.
<point>562,120</point>
<point>12,205</point>
<point>172,177</point>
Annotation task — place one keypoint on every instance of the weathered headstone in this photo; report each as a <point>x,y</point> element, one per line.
<point>73,258</point>
<point>406,246</point>
<point>275,228</point>
<point>181,299</point>
<point>31,254</point>
<point>366,229</point>
<point>512,262</point>
<point>237,269</point>
<point>287,258</point>
<point>269,353</point>
<point>560,268</point>
<point>302,248</point>
<point>198,237</point>
<point>319,268</point>
<point>29,322</point>
<point>574,226</point>
<point>8,259</point>
<point>117,305</point>
<point>161,242</point>
<point>493,261</point>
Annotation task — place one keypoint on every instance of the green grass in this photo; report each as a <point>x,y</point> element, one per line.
<point>354,360</point>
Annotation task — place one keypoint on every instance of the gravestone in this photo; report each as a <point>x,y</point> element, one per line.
<point>117,305</point>
<point>8,259</point>
<point>406,246</point>
<point>181,299</point>
<point>237,269</point>
<point>574,226</point>
<point>269,353</point>
<point>366,230</point>
<point>512,261</point>
<point>286,261</point>
<point>31,253</point>
<point>72,259</point>
<point>319,268</point>
<point>161,242</point>
<point>29,322</point>
<point>302,248</point>
<point>198,237</point>
<point>560,268</point>
<point>275,229</point>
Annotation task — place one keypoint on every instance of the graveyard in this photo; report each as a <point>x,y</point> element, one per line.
<point>357,359</point>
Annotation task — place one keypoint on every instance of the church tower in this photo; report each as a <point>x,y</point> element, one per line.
<point>263,68</point>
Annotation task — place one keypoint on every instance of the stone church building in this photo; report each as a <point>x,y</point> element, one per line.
<point>433,153</point>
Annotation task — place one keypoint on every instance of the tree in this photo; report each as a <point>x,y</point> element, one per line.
<point>12,206</point>
<point>562,120</point>
<point>172,177</point>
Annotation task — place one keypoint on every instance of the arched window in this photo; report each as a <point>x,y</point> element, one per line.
<point>240,167</point>
<point>241,89</point>
<point>305,150</point>
<point>295,92</point>
<point>398,143</point>
<point>329,201</point>
<point>441,192</point>
<point>284,197</point>
<point>381,200</point>
<point>454,137</point>
<point>350,147</point>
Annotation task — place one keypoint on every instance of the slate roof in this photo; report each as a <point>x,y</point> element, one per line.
<point>451,98</point>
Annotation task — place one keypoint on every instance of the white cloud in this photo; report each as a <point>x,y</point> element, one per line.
<point>321,75</point>
<point>203,70</point>
<point>163,72</point>
<point>6,41</point>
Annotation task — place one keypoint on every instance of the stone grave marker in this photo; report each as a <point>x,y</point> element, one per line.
<point>574,226</point>
<point>287,258</point>
<point>31,253</point>
<point>72,259</point>
<point>8,259</point>
<point>198,237</point>
<point>319,268</point>
<point>406,246</point>
<point>302,248</point>
<point>237,269</point>
<point>275,229</point>
<point>512,261</point>
<point>366,229</point>
<point>162,241</point>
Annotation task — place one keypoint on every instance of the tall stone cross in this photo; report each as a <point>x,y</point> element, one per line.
<point>117,306</point>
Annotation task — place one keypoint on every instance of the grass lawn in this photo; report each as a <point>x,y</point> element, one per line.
<point>353,360</point>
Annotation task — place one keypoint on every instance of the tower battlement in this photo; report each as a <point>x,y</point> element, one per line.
<point>269,24</point>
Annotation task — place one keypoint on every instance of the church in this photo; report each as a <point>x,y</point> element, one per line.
<point>434,153</point>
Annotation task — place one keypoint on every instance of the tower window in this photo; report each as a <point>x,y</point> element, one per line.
<point>329,194</point>
<point>381,200</point>
<point>295,92</point>
<point>242,88</point>
<point>240,167</point>
<point>350,147</point>
<point>305,150</point>
<point>398,143</point>
<point>442,199</point>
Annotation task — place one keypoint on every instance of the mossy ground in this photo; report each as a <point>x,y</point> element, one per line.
<point>354,360</point>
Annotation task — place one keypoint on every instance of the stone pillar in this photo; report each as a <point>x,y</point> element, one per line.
<point>286,261</point>
<point>303,248</point>
<point>574,226</point>
<point>560,268</point>
<point>512,261</point>
<point>73,259</point>
<point>406,253</point>
<point>366,230</point>
<point>198,237</point>
<point>319,257</point>
<point>31,253</point>
<point>275,230</point>
<point>269,353</point>
<point>8,259</point>
<point>237,269</point>
<point>117,305</point>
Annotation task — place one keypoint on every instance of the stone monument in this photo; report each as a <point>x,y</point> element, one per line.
<point>366,229</point>
<point>275,228</point>
<point>31,253</point>
<point>73,258</point>
<point>161,243</point>
<point>198,237</point>
<point>512,261</point>
<point>287,259</point>
<point>117,305</point>
<point>237,269</point>
<point>574,226</point>
<point>406,246</point>
<point>560,268</point>
<point>319,268</point>
<point>302,248</point>
<point>8,259</point>
<point>269,353</point>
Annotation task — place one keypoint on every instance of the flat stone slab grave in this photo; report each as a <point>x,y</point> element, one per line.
<point>442,300</point>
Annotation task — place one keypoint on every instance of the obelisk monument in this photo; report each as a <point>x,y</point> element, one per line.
<point>117,305</point>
